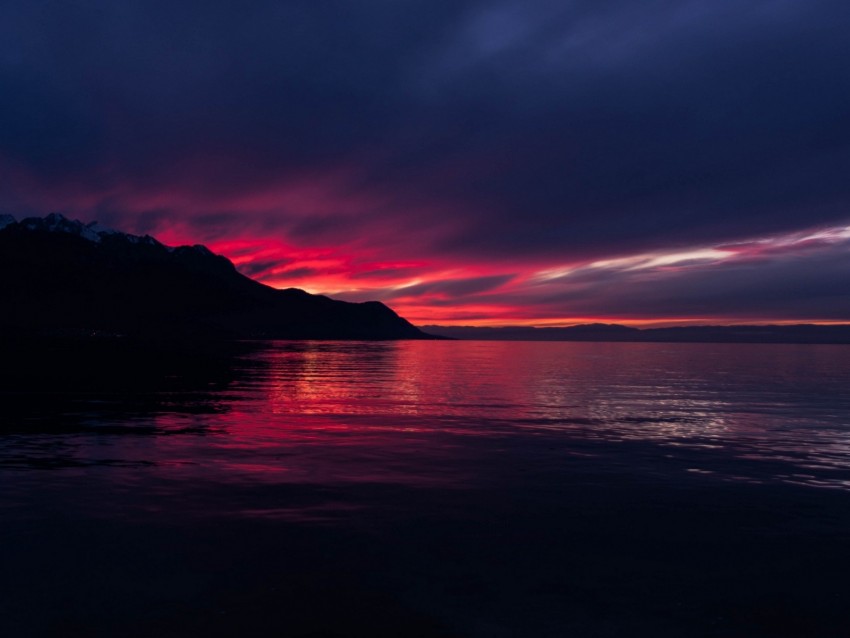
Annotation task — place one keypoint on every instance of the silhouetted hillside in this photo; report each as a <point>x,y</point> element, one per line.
<point>62,277</point>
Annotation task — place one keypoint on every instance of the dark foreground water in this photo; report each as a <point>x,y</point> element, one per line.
<point>426,489</point>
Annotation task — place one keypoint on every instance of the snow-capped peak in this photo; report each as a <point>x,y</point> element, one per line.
<point>94,231</point>
<point>100,229</point>
<point>58,223</point>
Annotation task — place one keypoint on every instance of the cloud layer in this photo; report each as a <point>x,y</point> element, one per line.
<point>440,155</point>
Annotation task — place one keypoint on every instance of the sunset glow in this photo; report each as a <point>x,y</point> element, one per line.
<point>435,291</point>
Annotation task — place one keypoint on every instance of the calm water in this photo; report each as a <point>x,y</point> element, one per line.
<point>429,488</point>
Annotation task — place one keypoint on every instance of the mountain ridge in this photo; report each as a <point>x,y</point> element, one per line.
<point>64,277</point>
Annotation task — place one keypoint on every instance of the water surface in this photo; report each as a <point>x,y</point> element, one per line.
<point>429,488</point>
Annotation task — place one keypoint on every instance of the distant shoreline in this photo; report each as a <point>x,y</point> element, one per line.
<point>791,334</point>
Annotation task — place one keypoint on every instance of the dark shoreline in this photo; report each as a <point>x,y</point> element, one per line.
<point>790,334</point>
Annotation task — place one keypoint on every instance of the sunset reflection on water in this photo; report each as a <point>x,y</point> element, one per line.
<point>400,406</point>
<point>412,411</point>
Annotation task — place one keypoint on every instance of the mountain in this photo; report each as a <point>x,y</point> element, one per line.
<point>800,333</point>
<point>63,277</point>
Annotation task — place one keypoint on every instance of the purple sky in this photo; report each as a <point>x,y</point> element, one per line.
<point>466,162</point>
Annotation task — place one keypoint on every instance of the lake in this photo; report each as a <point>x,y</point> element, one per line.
<point>426,488</point>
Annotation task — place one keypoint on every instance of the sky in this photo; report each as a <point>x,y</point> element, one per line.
<point>503,162</point>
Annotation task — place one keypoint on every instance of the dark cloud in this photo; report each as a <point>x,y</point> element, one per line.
<point>296,273</point>
<point>813,286</point>
<point>259,268</point>
<point>453,288</point>
<point>391,272</point>
<point>808,285</point>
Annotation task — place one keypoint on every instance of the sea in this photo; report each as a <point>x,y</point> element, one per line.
<point>426,488</point>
